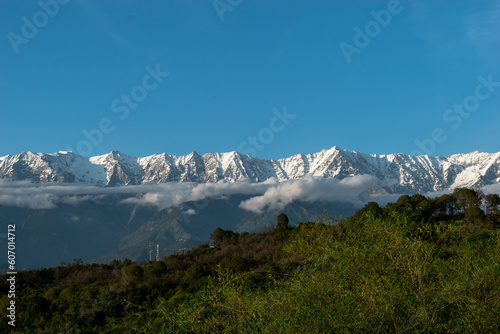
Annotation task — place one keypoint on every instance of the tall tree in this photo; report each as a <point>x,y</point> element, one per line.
<point>282,222</point>
<point>466,198</point>
<point>492,203</point>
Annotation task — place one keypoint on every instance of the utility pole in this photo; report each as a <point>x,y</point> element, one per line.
<point>150,252</point>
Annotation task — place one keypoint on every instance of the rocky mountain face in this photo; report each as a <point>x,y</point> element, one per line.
<point>399,173</point>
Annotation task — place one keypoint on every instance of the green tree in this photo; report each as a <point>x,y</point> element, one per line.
<point>282,222</point>
<point>474,214</point>
<point>492,203</point>
<point>234,263</point>
<point>221,238</point>
<point>193,273</point>
<point>217,236</point>
<point>374,208</point>
<point>466,198</point>
<point>37,306</point>
<point>158,268</point>
<point>446,204</point>
<point>132,272</point>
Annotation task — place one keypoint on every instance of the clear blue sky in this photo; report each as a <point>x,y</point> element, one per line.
<point>226,76</point>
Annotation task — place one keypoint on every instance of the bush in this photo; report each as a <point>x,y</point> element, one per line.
<point>474,214</point>
<point>132,273</point>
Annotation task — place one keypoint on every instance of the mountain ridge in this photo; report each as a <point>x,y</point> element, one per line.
<point>399,173</point>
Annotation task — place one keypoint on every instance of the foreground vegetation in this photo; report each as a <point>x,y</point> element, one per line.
<point>419,265</point>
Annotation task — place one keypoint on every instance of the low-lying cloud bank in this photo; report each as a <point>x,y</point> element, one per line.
<point>312,189</point>
<point>49,195</point>
<point>268,195</point>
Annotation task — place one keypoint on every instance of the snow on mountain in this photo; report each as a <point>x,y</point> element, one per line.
<point>399,173</point>
<point>479,168</point>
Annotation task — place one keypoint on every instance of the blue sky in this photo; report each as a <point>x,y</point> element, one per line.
<point>234,67</point>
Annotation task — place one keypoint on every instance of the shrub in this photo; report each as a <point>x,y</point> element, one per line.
<point>132,273</point>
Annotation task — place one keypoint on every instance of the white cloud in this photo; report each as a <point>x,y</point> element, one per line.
<point>190,212</point>
<point>311,189</point>
<point>33,201</point>
<point>491,189</point>
<point>268,195</point>
<point>165,195</point>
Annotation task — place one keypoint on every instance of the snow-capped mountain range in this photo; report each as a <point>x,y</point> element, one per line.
<point>399,173</point>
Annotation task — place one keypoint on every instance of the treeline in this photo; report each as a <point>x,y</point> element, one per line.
<point>470,204</point>
<point>417,265</point>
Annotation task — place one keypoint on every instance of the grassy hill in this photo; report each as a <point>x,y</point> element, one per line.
<point>419,265</point>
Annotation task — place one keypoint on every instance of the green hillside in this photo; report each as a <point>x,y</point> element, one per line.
<point>419,265</point>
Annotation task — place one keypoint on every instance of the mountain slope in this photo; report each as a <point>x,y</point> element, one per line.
<point>174,230</point>
<point>399,173</point>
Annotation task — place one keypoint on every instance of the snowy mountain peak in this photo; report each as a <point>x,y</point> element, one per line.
<point>398,173</point>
